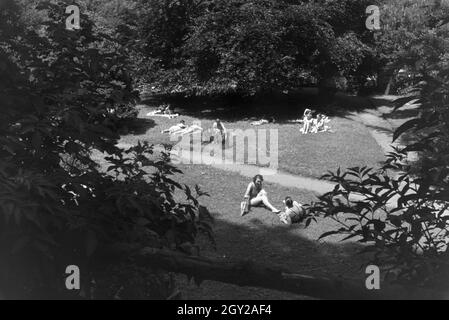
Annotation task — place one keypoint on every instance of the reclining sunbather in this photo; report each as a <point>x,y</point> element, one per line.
<point>194,128</point>
<point>176,128</point>
<point>163,111</point>
<point>263,121</point>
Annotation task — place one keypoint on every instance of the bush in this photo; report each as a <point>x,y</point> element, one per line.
<point>58,206</point>
<point>401,211</point>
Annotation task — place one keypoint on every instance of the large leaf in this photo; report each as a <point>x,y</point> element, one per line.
<point>405,127</point>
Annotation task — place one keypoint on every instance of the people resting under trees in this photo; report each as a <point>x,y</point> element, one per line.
<point>256,196</point>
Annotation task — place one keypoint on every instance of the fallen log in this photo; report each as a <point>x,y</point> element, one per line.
<point>247,273</point>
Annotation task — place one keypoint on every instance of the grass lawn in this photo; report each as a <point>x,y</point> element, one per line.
<point>261,237</point>
<point>307,155</point>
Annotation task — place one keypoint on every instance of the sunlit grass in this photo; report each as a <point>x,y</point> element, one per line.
<point>309,155</point>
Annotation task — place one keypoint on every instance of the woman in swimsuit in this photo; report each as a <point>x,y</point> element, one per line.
<point>257,196</point>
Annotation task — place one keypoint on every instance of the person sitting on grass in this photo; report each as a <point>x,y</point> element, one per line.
<point>294,212</point>
<point>168,110</point>
<point>320,124</point>
<point>307,122</point>
<point>219,131</point>
<point>256,196</point>
<point>178,127</point>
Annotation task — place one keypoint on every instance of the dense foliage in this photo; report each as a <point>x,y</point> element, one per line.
<point>69,195</point>
<point>408,29</point>
<point>401,212</point>
<point>213,47</point>
<point>59,207</point>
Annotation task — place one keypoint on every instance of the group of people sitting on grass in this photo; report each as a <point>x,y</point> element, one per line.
<point>312,124</point>
<point>256,196</point>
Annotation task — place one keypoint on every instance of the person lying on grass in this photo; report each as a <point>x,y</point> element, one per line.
<point>174,129</point>
<point>256,196</point>
<point>263,121</point>
<point>163,111</point>
<point>294,212</point>
<point>194,128</point>
<point>259,122</point>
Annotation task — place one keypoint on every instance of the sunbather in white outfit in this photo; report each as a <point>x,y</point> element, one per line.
<point>263,121</point>
<point>194,128</point>
<point>260,122</point>
<point>176,128</point>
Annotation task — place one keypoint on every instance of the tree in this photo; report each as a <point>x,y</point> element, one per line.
<point>58,207</point>
<point>401,211</point>
<point>218,47</point>
<point>404,24</point>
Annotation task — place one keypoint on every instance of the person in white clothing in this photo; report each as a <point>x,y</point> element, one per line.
<point>194,128</point>
<point>174,129</point>
<point>307,122</point>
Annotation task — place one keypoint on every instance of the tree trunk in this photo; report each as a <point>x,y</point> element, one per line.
<point>388,89</point>
<point>246,273</point>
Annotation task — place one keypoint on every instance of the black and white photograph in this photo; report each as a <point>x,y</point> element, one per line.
<point>227,158</point>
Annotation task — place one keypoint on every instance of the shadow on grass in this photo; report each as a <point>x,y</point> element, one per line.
<point>403,114</point>
<point>380,129</point>
<point>137,126</point>
<point>282,107</point>
<point>261,239</point>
